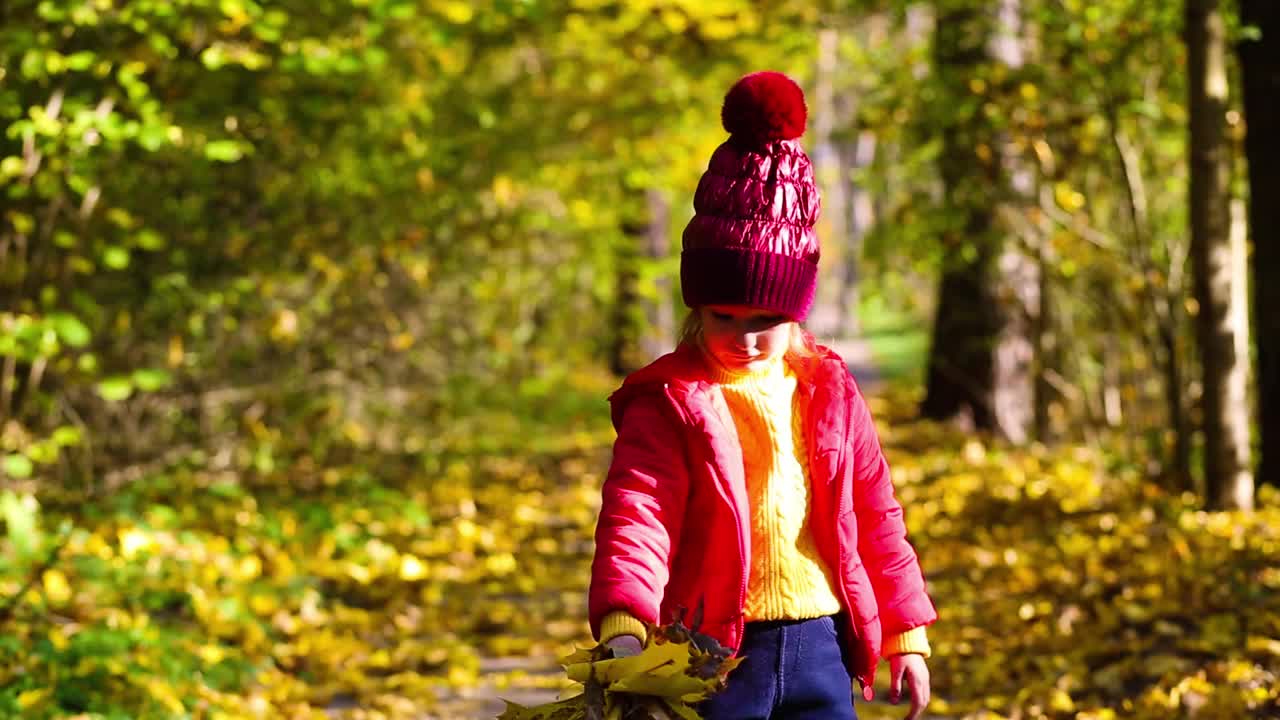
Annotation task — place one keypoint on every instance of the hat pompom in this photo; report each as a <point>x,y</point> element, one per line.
<point>764,106</point>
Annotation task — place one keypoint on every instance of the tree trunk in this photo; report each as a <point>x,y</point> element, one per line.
<point>857,150</point>
<point>1260,68</point>
<point>1112,379</point>
<point>959,381</point>
<point>827,318</point>
<point>1220,325</point>
<point>1015,385</point>
<point>980,359</point>
<point>1047,352</point>
<point>862,215</point>
<point>660,331</point>
<point>643,321</point>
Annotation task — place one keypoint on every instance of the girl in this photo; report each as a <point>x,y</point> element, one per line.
<point>747,478</point>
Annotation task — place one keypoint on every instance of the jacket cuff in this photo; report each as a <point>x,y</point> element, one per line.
<point>914,641</point>
<point>621,622</point>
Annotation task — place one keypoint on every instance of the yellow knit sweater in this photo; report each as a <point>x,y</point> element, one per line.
<point>788,579</point>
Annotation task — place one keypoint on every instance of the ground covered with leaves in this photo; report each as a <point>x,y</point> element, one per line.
<point>425,585</point>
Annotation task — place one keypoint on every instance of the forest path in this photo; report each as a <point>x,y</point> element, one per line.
<point>856,352</point>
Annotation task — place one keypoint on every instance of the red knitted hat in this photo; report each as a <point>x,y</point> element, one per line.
<point>751,240</point>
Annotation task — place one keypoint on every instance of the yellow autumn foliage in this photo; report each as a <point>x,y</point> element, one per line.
<point>1067,586</point>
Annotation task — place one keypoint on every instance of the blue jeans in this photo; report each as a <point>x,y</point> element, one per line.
<point>792,670</point>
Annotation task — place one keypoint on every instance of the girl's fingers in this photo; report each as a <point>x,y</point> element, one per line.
<point>919,684</point>
<point>917,706</point>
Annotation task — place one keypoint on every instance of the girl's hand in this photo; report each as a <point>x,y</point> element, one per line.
<point>625,645</point>
<point>913,668</point>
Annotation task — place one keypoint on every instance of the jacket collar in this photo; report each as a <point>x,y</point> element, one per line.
<point>685,371</point>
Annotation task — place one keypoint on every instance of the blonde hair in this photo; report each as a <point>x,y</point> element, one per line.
<point>802,345</point>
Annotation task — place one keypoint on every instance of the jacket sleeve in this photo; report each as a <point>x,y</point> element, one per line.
<point>889,558</point>
<point>641,512</point>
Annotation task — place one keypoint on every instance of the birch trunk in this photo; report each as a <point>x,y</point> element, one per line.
<point>1221,322</point>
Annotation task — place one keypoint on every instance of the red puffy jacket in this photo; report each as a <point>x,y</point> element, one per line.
<point>674,525</point>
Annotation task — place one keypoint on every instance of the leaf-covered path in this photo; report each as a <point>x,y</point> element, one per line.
<point>1067,586</point>
<point>396,585</point>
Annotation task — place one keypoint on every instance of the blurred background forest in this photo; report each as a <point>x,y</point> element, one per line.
<point>308,312</point>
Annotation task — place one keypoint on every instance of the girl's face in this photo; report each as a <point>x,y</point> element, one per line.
<point>744,338</point>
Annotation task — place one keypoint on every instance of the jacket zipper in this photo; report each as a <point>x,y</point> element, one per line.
<point>810,440</point>
<point>743,576</point>
<point>739,621</point>
<point>742,584</point>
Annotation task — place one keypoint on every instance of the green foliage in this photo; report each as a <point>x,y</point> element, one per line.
<point>898,339</point>
<point>21,515</point>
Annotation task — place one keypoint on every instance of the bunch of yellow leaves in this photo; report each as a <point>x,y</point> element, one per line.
<point>678,669</point>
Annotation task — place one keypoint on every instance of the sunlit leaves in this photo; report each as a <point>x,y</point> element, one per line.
<point>1066,587</point>
<point>20,513</point>
<point>362,591</point>
<point>1052,576</point>
<point>70,329</point>
<point>674,672</point>
<point>17,466</point>
<point>28,337</point>
<point>115,389</point>
<point>224,150</point>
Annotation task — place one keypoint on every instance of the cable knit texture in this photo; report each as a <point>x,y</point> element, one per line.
<point>915,640</point>
<point>788,579</point>
<point>621,622</point>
